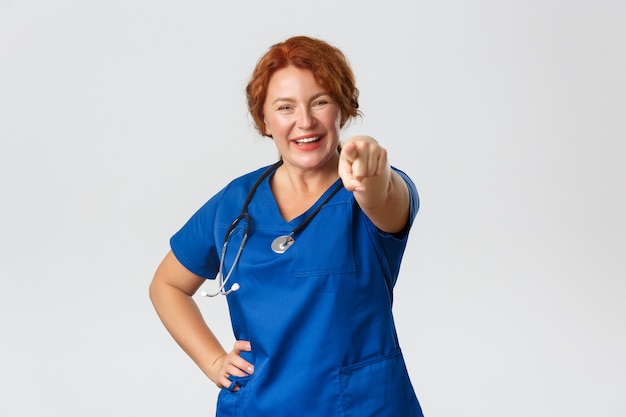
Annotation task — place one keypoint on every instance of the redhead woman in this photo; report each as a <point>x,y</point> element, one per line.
<point>307,252</point>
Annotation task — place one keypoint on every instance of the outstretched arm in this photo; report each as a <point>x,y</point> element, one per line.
<point>380,192</point>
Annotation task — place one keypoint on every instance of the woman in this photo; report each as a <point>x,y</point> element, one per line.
<point>324,231</point>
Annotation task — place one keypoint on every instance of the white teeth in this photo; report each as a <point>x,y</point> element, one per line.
<point>308,140</point>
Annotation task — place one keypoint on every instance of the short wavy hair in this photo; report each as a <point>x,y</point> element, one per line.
<point>328,64</point>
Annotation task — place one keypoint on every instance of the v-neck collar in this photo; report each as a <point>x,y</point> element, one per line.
<point>274,211</point>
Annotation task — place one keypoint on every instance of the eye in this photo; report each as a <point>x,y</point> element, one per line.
<point>284,108</point>
<point>320,102</point>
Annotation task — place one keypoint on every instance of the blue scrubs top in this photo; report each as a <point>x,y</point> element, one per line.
<point>318,317</point>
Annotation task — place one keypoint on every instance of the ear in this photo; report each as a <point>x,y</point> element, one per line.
<point>266,130</point>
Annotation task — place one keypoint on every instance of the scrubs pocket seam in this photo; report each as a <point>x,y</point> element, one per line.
<point>379,387</point>
<point>351,368</point>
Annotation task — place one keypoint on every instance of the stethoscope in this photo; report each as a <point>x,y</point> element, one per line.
<point>279,245</point>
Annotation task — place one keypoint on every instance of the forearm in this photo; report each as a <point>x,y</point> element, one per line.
<point>183,320</point>
<point>380,192</point>
<point>376,190</point>
<point>385,201</point>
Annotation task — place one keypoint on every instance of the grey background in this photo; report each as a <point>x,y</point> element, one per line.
<point>118,119</point>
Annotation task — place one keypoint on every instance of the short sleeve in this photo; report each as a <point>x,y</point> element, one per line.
<point>194,245</point>
<point>393,245</point>
<point>413,195</point>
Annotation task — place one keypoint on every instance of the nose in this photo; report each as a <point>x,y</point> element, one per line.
<point>306,119</point>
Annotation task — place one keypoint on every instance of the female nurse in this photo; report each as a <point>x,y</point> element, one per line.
<point>309,266</point>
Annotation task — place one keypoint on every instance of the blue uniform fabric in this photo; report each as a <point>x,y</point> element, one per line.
<point>318,317</point>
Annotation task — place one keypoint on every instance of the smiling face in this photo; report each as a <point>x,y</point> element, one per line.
<point>302,118</point>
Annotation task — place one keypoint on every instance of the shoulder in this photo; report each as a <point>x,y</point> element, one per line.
<point>411,186</point>
<point>231,196</point>
<point>250,177</point>
<point>414,200</point>
<point>243,184</point>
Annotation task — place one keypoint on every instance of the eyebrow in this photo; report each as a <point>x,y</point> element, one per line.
<point>289,99</point>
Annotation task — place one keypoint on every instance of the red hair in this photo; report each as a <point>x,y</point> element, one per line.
<point>328,64</point>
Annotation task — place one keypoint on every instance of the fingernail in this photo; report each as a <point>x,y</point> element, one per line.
<point>251,369</point>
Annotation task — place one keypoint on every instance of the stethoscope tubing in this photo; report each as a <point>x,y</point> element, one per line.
<point>243,215</point>
<point>220,276</point>
<point>279,245</point>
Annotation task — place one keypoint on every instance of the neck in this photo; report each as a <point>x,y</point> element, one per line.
<point>302,182</point>
<point>295,190</point>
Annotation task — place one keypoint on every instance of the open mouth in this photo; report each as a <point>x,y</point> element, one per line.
<point>308,140</point>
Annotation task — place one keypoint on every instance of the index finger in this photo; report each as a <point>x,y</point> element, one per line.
<point>349,151</point>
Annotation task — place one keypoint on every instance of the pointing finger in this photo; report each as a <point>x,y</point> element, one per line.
<point>349,151</point>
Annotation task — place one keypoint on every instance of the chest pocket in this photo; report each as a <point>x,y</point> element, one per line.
<point>325,246</point>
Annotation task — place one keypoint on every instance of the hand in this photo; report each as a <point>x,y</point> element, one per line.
<point>361,157</point>
<point>233,364</point>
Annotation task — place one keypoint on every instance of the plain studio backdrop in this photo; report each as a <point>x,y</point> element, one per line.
<point>118,119</point>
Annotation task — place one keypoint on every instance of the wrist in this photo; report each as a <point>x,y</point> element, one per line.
<point>213,371</point>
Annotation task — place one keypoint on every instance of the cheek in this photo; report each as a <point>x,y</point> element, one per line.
<point>275,126</point>
<point>268,125</point>
<point>339,121</point>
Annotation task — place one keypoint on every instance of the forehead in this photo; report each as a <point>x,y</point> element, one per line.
<point>292,82</point>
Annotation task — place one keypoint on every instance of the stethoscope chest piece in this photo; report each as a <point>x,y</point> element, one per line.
<point>282,243</point>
